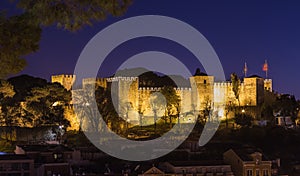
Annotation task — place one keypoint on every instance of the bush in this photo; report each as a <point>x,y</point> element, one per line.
<point>243,120</point>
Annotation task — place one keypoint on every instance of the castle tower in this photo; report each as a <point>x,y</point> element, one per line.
<point>126,94</point>
<point>202,91</point>
<point>252,93</point>
<point>268,85</point>
<point>65,80</point>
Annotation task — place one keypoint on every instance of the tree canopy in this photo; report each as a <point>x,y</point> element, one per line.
<point>236,86</point>
<point>30,102</point>
<point>172,102</point>
<point>20,34</point>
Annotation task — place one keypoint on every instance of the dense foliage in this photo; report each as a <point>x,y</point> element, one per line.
<point>20,34</point>
<point>32,102</point>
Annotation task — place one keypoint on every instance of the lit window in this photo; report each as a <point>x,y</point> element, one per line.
<point>265,172</point>
<point>249,172</point>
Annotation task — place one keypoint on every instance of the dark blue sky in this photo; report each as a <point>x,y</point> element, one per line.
<point>250,31</point>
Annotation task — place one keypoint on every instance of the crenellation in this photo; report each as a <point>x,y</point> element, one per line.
<point>65,80</point>
<point>119,78</point>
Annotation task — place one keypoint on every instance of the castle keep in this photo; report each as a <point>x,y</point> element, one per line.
<point>203,92</point>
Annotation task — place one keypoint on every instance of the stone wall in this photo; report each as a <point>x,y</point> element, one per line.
<point>132,99</point>
<point>65,80</point>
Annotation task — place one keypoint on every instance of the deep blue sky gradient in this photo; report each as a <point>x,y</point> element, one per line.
<point>239,31</point>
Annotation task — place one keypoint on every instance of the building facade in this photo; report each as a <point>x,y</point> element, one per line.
<point>245,163</point>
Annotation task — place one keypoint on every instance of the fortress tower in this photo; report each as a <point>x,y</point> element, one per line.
<point>65,80</point>
<point>126,91</point>
<point>202,91</point>
<point>268,84</point>
<point>252,93</point>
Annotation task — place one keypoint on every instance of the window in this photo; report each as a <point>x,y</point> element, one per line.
<point>25,166</point>
<point>257,172</point>
<point>249,172</point>
<point>15,166</point>
<point>57,156</point>
<point>265,172</point>
<point>204,81</point>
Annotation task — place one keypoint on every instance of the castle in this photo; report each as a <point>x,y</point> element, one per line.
<point>203,93</point>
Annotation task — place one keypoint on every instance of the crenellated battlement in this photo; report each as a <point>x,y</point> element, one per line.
<point>149,88</point>
<point>223,84</point>
<point>182,88</point>
<point>63,76</point>
<point>93,79</point>
<point>120,78</point>
<point>159,88</point>
<point>268,85</point>
<point>268,80</point>
<point>65,80</point>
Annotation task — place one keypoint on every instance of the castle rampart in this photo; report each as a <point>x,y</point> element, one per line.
<point>204,92</point>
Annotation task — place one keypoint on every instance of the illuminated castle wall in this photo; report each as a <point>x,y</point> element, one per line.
<point>66,80</point>
<point>204,92</point>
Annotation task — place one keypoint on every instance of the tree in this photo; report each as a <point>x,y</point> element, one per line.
<point>6,107</point>
<point>71,14</point>
<point>45,105</point>
<point>157,102</point>
<point>228,108</point>
<point>87,108</point>
<point>6,90</point>
<point>106,107</point>
<point>173,102</point>
<point>18,38</point>
<point>267,107</point>
<point>236,86</point>
<point>141,111</point>
<point>286,105</point>
<point>207,109</point>
<point>20,34</point>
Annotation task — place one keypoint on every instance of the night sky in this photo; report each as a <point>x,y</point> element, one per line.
<point>239,31</point>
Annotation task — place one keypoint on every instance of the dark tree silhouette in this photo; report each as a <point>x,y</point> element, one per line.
<point>236,86</point>
<point>173,103</point>
<point>20,34</point>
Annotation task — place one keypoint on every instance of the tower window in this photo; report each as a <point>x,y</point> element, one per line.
<point>204,81</point>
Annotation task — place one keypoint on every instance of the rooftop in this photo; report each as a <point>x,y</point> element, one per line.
<point>245,154</point>
<point>14,157</point>
<point>44,148</point>
<point>197,163</point>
